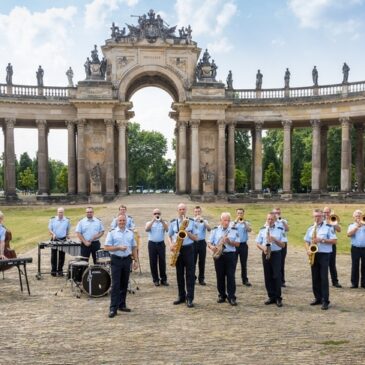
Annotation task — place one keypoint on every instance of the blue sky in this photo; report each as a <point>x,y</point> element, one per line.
<point>241,35</point>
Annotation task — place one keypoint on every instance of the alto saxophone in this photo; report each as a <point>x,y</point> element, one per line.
<point>313,248</point>
<point>181,235</point>
<point>268,244</point>
<point>220,247</point>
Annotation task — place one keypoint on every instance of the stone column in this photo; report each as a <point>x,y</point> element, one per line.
<point>258,157</point>
<point>9,149</point>
<point>231,158</point>
<point>222,163</point>
<point>182,157</point>
<point>71,156</point>
<point>42,156</point>
<point>195,158</point>
<point>253,144</point>
<point>345,155</point>
<point>109,157</point>
<point>359,163</point>
<point>81,168</point>
<point>287,173</point>
<point>316,155</point>
<point>324,160</point>
<point>176,133</point>
<point>122,156</point>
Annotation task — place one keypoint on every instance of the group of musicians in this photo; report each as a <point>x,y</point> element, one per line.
<point>227,242</point>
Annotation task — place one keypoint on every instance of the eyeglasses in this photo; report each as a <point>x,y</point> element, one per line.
<point>89,212</point>
<point>156,213</point>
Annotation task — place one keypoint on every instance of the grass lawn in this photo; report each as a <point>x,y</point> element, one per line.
<point>29,225</point>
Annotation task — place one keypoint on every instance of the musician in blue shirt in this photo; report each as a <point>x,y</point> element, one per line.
<point>2,237</point>
<point>270,241</point>
<point>356,232</point>
<point>156,229</point>
<point>89,230</point>
<point>122,246</point>
<point>59,228</point>
<point>185,261</point>
<point>223,242</point>
<point>123,211</point>
<point>323,236</point>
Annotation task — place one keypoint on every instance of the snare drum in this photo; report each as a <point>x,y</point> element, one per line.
<point>76,269</point>
<point>96,281</point>
<point>103,257</point>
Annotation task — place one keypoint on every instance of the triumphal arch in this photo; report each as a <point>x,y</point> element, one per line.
<point>207,112</point>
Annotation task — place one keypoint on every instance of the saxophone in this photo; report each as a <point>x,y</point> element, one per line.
<point>313,248</point>
<point>181,235</point>
<point>220,246</point>
<point>268,244</point>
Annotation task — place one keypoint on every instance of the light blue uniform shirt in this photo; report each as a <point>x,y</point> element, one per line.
<point>201,230</point>
<point>275,232</point>
<point>242,231</point>
<point>60,227</point>
<point>174,228</point>
<point>218,232</point>
<point>281,225</point>
<point>117,237</point>
<point>129,224</point>
<point>157,232</point>
<point>358,239</point>
<point>324,231</point>
<point>89,227</point>
<point>2,232</point>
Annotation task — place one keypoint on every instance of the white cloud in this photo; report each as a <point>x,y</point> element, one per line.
<point>209,17</point>
<point>278,42</point>
<point>220,46</point>
<point>97,11</point>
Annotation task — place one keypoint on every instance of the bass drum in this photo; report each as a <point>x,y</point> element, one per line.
<point>96,281</point>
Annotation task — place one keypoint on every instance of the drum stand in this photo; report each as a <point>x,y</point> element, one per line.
<point>75,286</point>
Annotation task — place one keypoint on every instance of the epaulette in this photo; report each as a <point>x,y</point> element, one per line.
<point>264,227</point>
<point>280,228</point>
<point>53,217</point>
<point>112,229</point>
<point>129,216</point>
<point>215,227</point>
<point>98,219</point>
<point>191,219</point>
<point>329,225</point>
<point>173,220</point>
<point>234,228</point>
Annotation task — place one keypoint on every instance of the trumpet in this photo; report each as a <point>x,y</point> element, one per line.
<point>334,220</point>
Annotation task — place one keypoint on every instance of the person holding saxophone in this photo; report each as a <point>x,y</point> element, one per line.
<point>270,241</point>
<point>319,239</point>
<point>223,242</point>
<point>185,267</point>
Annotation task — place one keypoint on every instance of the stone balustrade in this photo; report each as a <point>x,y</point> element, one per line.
<point>57,92</point>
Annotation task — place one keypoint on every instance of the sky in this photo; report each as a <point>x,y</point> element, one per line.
<point>241,35</point>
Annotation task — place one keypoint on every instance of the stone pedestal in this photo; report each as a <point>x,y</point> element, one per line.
<point>95,188</point>
<point>208,187</point>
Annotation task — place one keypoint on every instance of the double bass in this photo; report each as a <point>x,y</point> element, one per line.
<point>8,252</point>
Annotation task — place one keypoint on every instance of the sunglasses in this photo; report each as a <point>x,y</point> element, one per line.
<point>156,213</point>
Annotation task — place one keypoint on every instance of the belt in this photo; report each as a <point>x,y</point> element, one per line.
<point>358,247</point>
<point>243,242</point>
<point>113,256</point>
<point>60,239</point>
<point>156,243</point>
<point>97,241</point>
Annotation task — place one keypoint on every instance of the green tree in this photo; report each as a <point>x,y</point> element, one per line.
<point>243,154</point>
<point>271,177</point>
<point>54,169</point>
<point>27,179</point>
<point>240,180</point>
<point>62,180</point>
<point>306,176</point>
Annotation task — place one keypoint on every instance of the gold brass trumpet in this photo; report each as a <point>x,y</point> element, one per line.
<point>362,220</point>
<point>334,220</point>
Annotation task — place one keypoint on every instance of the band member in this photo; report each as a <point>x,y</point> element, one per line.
<point>59,229</point>
<point>270,241</point>
<point>156,229</point>
<point>123,251</point>
<point>322,235</point>
<point>283,223</point>
<point>185,261</point>
<point>2,237</point>
<point>200,246</point>
<point>123,211</point>
<point>332,264</point>
<point>356,232</point>
<point>227,237</point>
<point>89,230</point>
<point>242,250</point>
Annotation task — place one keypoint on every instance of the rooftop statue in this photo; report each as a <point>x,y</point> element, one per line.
<point>94,68</point>
<point>345,71</point>
<point>287,78</point>
<point>229,81</point>
<point>259,77</point>
<point>40,74</point>
<point>9,74</point>
<point>315,76</point>
<point>70,75</point>
<point>206,71</point>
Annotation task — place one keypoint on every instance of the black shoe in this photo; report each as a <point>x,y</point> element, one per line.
<point>232,302</point>
<point>283,285</point>
<point>53,273</point>
<point>279,303</point>
<point>363,286</point>
<point>246,283</point>
<point>112,314</point>
<point>164,283</point>
<point>270,301</point>
<point>157,283</point>
<point>354,286</point>
<point>202,282</point>
<point>189,303</point>
<point>60,273</point>
<point>324,306</point>
<point>124,309</point>
<point>221,300</point>
<point>315,302</point>
<point>337,285</point>
<point>178,301</point>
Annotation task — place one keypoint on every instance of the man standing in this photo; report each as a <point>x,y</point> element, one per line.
<point>225,238</point>
<point>59,229</point>
<point>200,246</point>
<point>156,229</point>
<point>242,250</point>
<point>123,211</point>
<point>322,235</point>
<point>270,241</point>
<point>332,264</point>
<point>89,230</point>
<point>185,261</point>
<point>123,250</point>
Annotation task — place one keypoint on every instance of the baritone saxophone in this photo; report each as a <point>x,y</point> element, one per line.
<point>181,235</point>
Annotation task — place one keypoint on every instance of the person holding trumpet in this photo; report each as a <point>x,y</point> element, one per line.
<point>270,241</point>
<point>356,231</point>
<point>319,240</point>
<point>156,229</point>
<point>333,220</point>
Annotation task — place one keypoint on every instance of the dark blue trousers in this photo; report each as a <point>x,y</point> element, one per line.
<point>332,265</point>
<point>120,267</point>
<point>57,258</point>
<point>87,250</point>
<point>272,274</point>
<point>242,254</point>
<point>357,254</point>
<point>225,269</point>
<point>320,277</point>
<point>185,269</point>
<point>200,250</point>
<point>157,255</point>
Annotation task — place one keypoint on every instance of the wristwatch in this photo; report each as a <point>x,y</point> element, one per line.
<point>322,240</point>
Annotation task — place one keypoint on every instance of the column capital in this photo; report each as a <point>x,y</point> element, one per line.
<point>109,122</point>
<point>10,122</point>
<point>41,123</point>
<point>221,123</point>
<point>122,123</point>
<point>182,124</point>
<point>70,123</point>
<point>231,124</point>
<point>286,123</point>
<point>316,123</point>
<point>345,121</point>
<point>194,123</point>
<point>258,125</point>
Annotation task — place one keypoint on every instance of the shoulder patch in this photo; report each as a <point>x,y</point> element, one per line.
<point>280,228</point>
<point>328,225</point>
<point>234,228</point>
<point>172,220</point>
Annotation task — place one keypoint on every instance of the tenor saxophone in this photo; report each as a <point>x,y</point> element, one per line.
<point>220,247</point>
<point>313,248</point>
<point>181,235</point>
<point>268,244</point>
